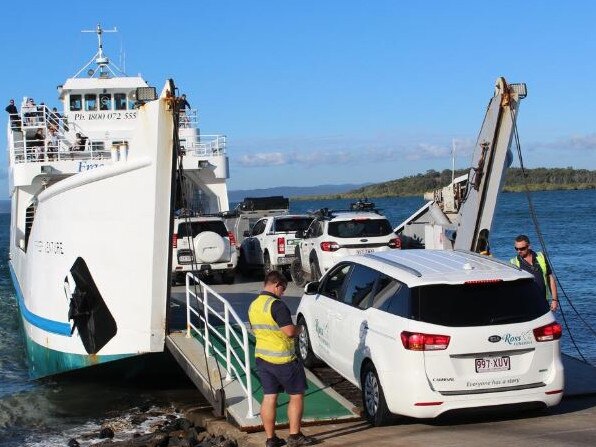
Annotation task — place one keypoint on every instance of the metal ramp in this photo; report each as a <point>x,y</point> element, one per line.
<point>217,353</point>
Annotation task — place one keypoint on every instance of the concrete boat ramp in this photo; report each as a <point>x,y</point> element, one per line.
<point>332,405</point>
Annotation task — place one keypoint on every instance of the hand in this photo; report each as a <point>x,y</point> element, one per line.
<point>554,305</point>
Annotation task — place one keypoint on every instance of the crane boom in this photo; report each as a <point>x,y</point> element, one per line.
<point>460,215</point>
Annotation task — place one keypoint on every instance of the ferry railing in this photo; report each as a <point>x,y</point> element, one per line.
<point>203,313</point>
<point>206,145</point>
<point>189,118</point>
<point>30,150</point>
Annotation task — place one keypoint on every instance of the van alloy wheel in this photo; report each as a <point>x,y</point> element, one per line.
<point>371,393</point>
<point>373,399</point>
<point>303,346</point>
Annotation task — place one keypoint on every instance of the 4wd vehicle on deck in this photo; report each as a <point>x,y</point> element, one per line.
<point>422,332</point>
<point>248,212</point>
<point>203,245</point>
<point>335,234</point>
<point>270,245</point>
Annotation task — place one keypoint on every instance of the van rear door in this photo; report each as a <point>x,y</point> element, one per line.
<point>492,346</point>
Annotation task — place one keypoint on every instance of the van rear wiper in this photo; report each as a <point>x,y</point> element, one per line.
<point>504,319</point>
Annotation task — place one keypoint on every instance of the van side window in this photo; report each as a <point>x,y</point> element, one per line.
<point>396,299</point>
<point>105,101</point>
<point>119,101</point>
<point>90,102</point>
<point>360,286</point>
<point>334,281</point>
<point>75,103</point>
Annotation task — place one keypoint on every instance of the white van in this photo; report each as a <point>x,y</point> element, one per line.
<point>422,332</point>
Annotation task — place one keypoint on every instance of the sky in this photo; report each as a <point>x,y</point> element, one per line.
<point>331,92</point>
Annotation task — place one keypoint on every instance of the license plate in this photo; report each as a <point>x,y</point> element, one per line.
<point>185,258</point>
<point>363,251</point>
<point>492,364</point>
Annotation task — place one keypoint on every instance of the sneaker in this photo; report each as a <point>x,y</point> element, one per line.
<point>275,442</point>
<point>300,439</point>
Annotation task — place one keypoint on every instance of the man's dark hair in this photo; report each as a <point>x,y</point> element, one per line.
<point>522,238</point>
<point>275,277</point>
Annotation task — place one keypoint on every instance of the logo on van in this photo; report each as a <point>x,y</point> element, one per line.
<point>518,340</point>
<point>494,338</point>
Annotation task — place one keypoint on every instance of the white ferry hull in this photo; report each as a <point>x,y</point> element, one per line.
<point>102,237</point>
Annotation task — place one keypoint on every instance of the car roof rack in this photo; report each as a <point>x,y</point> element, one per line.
<point>362,205</point>
<point>326,213</point>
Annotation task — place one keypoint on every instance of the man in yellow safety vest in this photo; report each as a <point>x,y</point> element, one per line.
<point>536,263</point>
<point>278,367</point>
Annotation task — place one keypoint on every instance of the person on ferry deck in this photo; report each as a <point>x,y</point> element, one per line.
<point>29,110</point>
<point>52,144</point>
<point>184,104</point>
<point>80,142</point>
<point>54,118</point>
<point>537,264</point>
<point>37,145</point>
<point>279,369</point>
<point>13,115</point>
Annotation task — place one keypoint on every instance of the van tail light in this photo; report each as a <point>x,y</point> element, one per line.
<point>329,246</point>
<point>552,331</point>
<point>232,239</point>
<point>281,245</point>
<point>174,240</point>
<point>394,243</point>
<point>417,341</point>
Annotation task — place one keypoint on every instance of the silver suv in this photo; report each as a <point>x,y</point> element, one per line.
<point>335,234</point>
<point>203,245</point>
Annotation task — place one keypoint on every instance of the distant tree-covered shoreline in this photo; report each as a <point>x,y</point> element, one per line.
<point>538,179</point>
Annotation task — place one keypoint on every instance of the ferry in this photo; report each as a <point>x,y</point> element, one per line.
<point>93,187</point>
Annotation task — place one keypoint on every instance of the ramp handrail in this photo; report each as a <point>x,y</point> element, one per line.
<point>209,330</point>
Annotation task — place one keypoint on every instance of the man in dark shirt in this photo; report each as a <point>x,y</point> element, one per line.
<point>13,114</point>
<point>537,264</point>
<point>279,369</point>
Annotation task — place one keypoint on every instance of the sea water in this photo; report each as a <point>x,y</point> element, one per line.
<point>43,413</point>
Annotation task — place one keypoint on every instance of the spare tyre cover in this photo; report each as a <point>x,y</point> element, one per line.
<point>209,247</point>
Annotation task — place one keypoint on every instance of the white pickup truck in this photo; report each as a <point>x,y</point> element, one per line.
<point>270,245</point>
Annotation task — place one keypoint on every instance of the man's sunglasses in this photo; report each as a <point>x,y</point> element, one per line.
<point>521,248</point>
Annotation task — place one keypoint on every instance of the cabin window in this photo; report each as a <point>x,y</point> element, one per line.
<point>105,101</point>
<point>90,102</point>
<point>75,103</point>
<point>120,101</point>
<point>131,104</point>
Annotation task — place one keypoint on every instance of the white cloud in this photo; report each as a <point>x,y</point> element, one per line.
<point>359,152</point>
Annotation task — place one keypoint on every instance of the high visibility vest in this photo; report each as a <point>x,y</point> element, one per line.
<point>542,263</point>
<point>272,344</point>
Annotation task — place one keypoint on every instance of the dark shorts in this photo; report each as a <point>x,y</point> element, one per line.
<point>289,377</point>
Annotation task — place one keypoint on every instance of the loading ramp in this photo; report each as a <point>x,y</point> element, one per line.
<point>216,350</point>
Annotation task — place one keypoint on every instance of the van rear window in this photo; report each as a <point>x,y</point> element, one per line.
<point>191,229</point>
<point>478,304</point>
<point>360,228</point>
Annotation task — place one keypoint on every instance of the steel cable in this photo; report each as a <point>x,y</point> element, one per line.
<point>543,242</point>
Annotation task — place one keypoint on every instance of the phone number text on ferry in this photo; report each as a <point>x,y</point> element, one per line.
<point>105,116</point>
